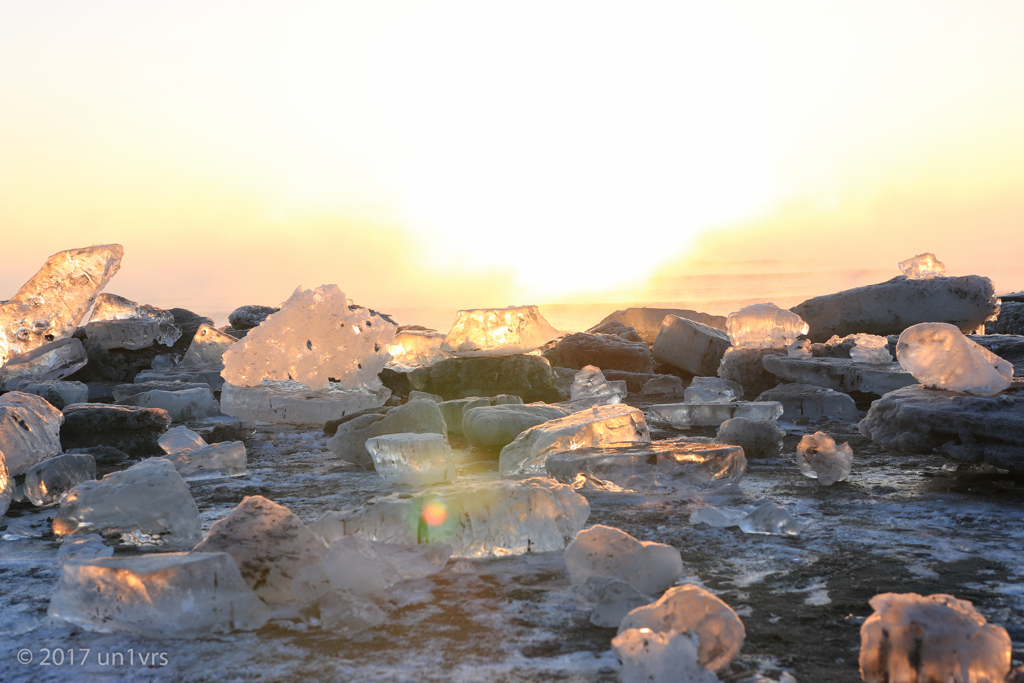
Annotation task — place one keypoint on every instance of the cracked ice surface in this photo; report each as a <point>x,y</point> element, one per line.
<point>498,331</point>
<point>938,355</point>
<point>314,338</point>
<point>764,326</point>
<point>922,267</point>
<point>51,305</point>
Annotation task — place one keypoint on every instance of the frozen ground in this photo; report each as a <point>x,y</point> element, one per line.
<point>900,523</point>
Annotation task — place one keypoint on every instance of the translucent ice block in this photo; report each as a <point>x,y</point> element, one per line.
<point>686,415</point>
<point>939,355</point>
<point>498,331</point>
<point>606,551</point>
<point>51,361</point>
<point>870,348</point>
<point>820,458</point>
<point>764,326</point>
<point>590,383</point>
<point>413,459</point>
<point>29,430</point>
<point>922,267</point>
<point>294,403</point>
<point>119,323</point>
<point>417,348</point>
<point>48,482</point>
<point>770,519</point>
<point>180,439</point>
<point>225,459</point>
<point>207,348</point>
<point>712,390</point>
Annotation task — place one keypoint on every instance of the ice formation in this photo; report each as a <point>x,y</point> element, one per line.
<point>413,459</point>
<point>181,406</point>
<point>938,355</point>
<point>590,383</point>
<point>651,657</point>
<point>58,394</point>
<point>719,631</point>
<point>686,415</point>
<point>7,487</point>
<point>690,346</point>
<point>770,518</point>
<point>207,348</point>
<point>716,516</point>
<point>180,439</point>
<point>841,374</point>
<point>55,360</point>
<point>455,410</point>
<point>82,547</point>
<point>418,417</point>
<point>870,348</point>
<point>764,326</point>
<point>490,519</point>
<point>712,390</point>
<point>606,551</point>
<point>494,427</point>
<point>820,458</point>
<point>51,305</point>
<point>268,543</point>
<point>294,403</point>
<point>658,467</point>
<point>417,348</point>
<point>224,459</point>
<point>169,595</point>
<point>48,482</point>
<point>148,504</point>
<point>498,331</point>
<point>598,426</point>
<point>609,599</point>
<point>922,267</point>
<point>801,348</point>
<point>316,336</point>
<point>912,638</point>
<point>29,431</point>
<point>665,385</point>
<point>758,438</point>
<point>812,402</point>
<point>119,323</point>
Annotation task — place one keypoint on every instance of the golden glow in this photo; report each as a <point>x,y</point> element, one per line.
<point>434,513</point>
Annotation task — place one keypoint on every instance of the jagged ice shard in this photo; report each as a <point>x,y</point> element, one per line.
<point>870,348</point>
<point>686,415</point>
<point>29,430</point>
<point>317,336</point>
<point>820,458</point>
<point>51,305</point>
<point>590,383</point>
<point>764,326</point>
<point>911,638</point>
<point>207,348</point>
<point>922,267</point>
<point>492,519</point>
<point>938,355</point>
<point>413,459</point>
<point>120,323</point>
<point>498,331</point>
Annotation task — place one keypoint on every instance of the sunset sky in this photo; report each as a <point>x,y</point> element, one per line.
<point>484,154</point>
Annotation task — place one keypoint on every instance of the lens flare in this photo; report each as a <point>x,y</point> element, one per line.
<point>434,513</point>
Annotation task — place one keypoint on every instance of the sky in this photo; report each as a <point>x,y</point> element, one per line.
<point>468,154</point>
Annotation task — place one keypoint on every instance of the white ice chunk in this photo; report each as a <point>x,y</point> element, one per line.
<point>225,459</point>
<point>50,306</point>
<point>606,551</point>
<point>119,323</point>
<point>498,331</point>
<point>294,403</point>
<point>491,519</point>
<point>801,348</point>
<point>870,348</point>
<point>180,439</point>
<point>610,599</point>
<point>590,383</point>
<point>148,504</point>
<point>315,337</point>
<point>651,657</point>
<point>598,426</point>
<point>29,430</point>
<point>49,481</point>
<point>417,348</point>
<point>820,458</point>
<point>413,459</point>
<point>922,267</point>
<point>912,638</point>
<point>712,390</point>
<point>938,355</point>
<point>690,608</point>
<point>686,415</point>
<point>764,326</point>
<point>207,348</point>
<point>169,595</point>
<point>770,518</point>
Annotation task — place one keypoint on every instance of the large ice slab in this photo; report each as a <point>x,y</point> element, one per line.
<point>818,457</point>
<point>657,467</point>
<point>653,657</point>
<point>296,404</point>
<point>494,427</point>
<point>49,481</point>
<point>136,431</point>
<point>811,402</point>
<point>207,348</point>
<point>170,595</point>
<point>647,321</point>
<point>52,361</point>
<point>686,415</point>
<point>315,337</point>
<point>413,459</point>
<point>147,504</point>
<point>689,345</point>
<point>119,323</point>
<point>941,357</point>
<point>498,331</point>
<point>598,426</point>
<point>911,637</point>
<point>764,326</point>
<point>691,608</point>
<point>51,305</point>
<point>893,306</point>
<point>491,519</point>
<point>224,459</point>
<point>414,348</point>
<point>842,374</point>
<point>29,430</point>
<point>606,551</point>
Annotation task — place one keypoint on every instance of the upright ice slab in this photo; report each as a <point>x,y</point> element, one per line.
<point>417,348</point>
<point>48,482</point>
<point>598,426</point>
<point>294,403</point>
<point>498,331</point>
<point>922,267</point>
<point>712,390</point>
<point>911,637</point>
<point>170,595</point>
<point>590,383</point>
<point>224,459</point>
<point>316,336</point>
<point>119,323</point>
<point>413,459</point>
<point>606,551</point>
<point>764,326</point>
<point>820,458</point>
<point>29,430</point>
<point>52,361</point>
<point>939,356</point>
<point>147,504</point>
<point>207,348</point>
<point>654,657</point>
<point>51,305</point>
<point>491,519</point>
<point>686,415</point>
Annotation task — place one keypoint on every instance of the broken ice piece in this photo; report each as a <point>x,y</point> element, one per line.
<point>119,323</point>
<point>651,657</point>
<point>590,383</point>
<point>939,355</point>
<point>294,403</point>
<point>168,595</point>
<point>29,430</point>
<point>922,267</point>
<point>764,326</point>
<point>224,459</point>
<point>719,517</point>
<point>770,519</point>
<point>498,331</point>
<point>8,490</point>
<point>52,361</point>
<point>801,348</point>
<point>820,458</point>
<point>413,459</point>
<point>48,482</point>
<point>606,551</point>
<point>686,415</point>
<point>82,547</point>
<point>870,348</point>
<point>181,406</point>
<point>718,628</point>
<point>598,426</point>
<point>665,385</point>
<point>415,561</point>
<point>911,637</point>
<point>207,348</point>
<point>610,599</point>
<point>712,390</point>
<point>180,439</point>
<point>417,348</point>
